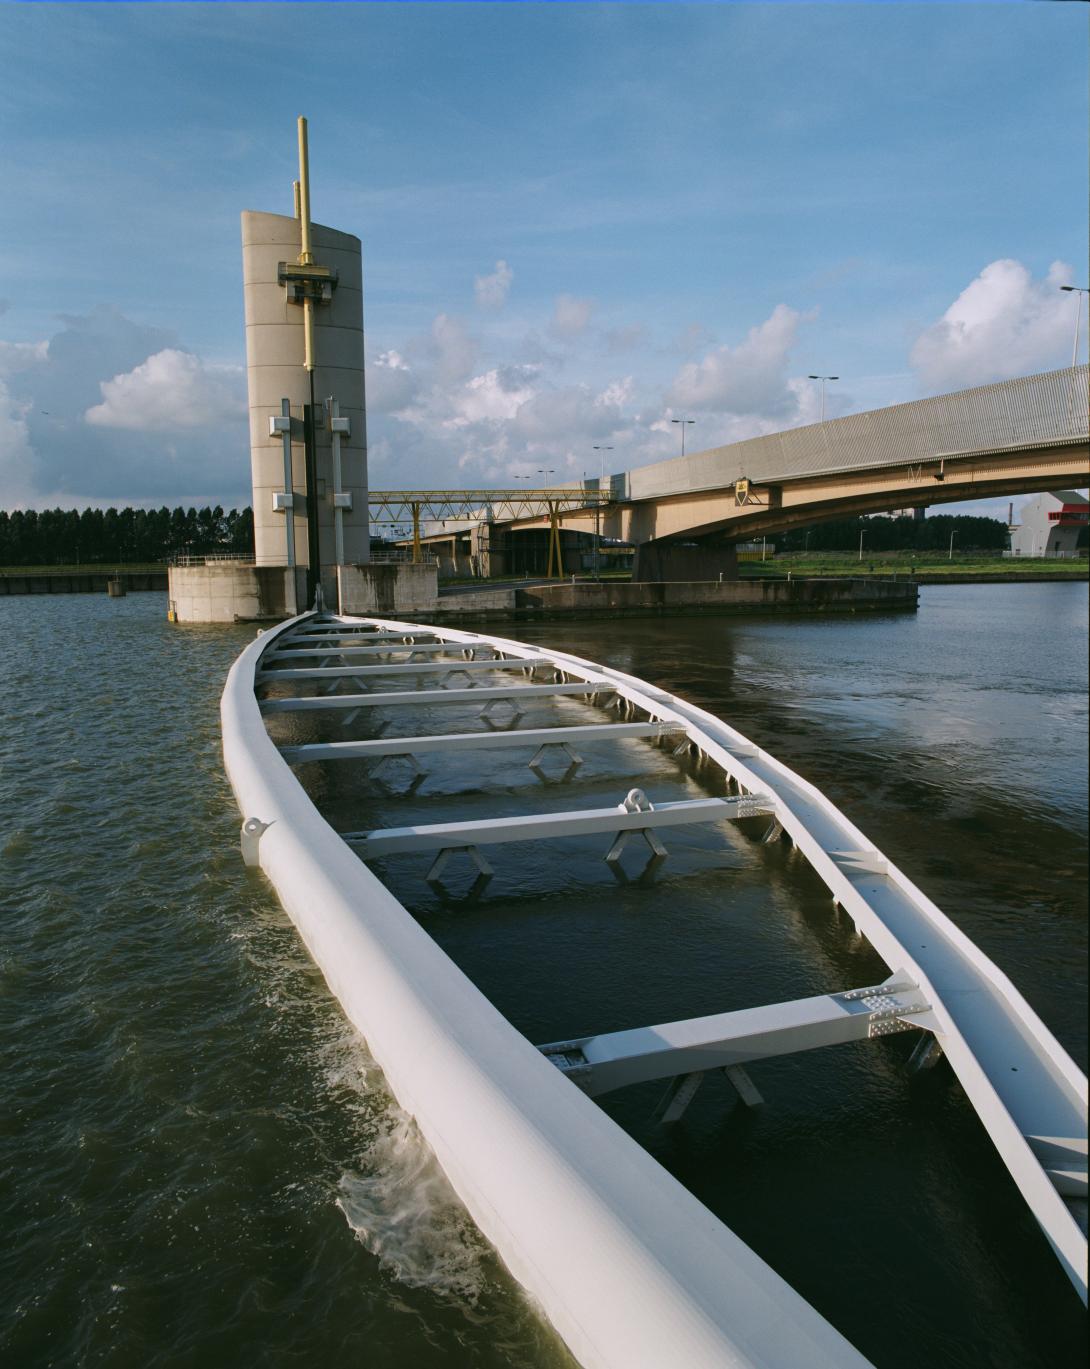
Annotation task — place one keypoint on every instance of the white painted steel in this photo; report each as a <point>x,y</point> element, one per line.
<point>614,1060</point>
<point>471,741</point>
<point>1018,1077</point>
<point>353,651</point>
<point>512,693</point>
<point>437,836</point>
<point>397,668</point>
<point>632,1271</point>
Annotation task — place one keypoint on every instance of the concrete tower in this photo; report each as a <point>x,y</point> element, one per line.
<point>303,290</point>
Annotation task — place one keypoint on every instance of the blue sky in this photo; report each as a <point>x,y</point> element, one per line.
<point>578,222</point>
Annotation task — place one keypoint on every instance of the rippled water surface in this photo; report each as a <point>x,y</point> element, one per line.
<point>198,1162</point>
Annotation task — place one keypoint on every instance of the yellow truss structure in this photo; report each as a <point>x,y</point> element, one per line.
<point>483,506</point>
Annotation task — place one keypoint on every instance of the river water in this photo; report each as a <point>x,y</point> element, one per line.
<point>198,1162</point>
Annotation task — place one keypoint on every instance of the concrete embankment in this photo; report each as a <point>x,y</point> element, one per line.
<point>619,599</point>
<point>92,581</point>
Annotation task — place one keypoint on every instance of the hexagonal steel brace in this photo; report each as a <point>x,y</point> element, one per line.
<point>438,865</point>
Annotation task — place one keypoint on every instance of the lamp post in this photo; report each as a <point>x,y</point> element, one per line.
<point>823,379</point>
<point>683,422</point>
<point>862,531</point>
<point>1076,290</point>
<point>598,509</point>
<point>950,553</point>
<point>546,474</point>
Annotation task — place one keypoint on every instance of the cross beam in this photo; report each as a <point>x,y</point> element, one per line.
<point>401,668</point>
<point>514,693</point>
<point>543,826</point>
<point>613,1060</point>
<point>467,741</point>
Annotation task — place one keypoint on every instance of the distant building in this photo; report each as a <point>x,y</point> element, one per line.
<point>1051,525</point>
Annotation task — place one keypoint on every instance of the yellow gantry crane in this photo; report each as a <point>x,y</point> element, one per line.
<point>483,506</point>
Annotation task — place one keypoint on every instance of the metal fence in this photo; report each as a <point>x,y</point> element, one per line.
<point>1047,408</point>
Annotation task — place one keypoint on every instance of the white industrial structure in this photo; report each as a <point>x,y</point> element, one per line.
<point>630,1268</point>
<point>1051,525</point>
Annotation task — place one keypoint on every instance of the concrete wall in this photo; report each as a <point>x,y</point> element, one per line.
<point>694,597</point>
<point>274,371</point>
<point>228,593</point>
<point>681,561</point>
<point>388,587</point>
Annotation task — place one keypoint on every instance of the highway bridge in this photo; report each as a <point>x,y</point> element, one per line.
<point>1020,436</point>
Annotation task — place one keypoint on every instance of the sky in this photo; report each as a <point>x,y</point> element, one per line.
<point>579,221</point>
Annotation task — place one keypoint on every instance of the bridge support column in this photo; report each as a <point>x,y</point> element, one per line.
<point>665,560</point>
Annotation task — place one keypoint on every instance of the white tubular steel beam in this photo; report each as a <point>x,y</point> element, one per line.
<point>613,1060</point>
<point>399,668</point>
<point>346,651</point>
<point>1017,1076</point>
<point>544,826</point>
<point>632,1270</point>
<point>468,741</point>
<point>432,696</point>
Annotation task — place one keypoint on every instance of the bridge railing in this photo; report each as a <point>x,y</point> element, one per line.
<point>1051,407</point>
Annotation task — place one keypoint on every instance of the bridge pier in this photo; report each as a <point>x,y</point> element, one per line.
<point>668,560</point>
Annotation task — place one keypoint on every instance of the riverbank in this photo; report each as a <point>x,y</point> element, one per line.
<point>933,569</point>
<point>80,579</point>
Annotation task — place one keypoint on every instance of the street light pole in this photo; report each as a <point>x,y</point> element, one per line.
<point>1076,290</point>
<point>861,532</point>
<point>683,422</point>
<point>598,510</point>
<point>823,379</point>
<point>950,554</point>
<point>546,474</point>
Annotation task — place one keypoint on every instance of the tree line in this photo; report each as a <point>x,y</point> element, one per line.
<point>69,537</point>
<point>899,534</point>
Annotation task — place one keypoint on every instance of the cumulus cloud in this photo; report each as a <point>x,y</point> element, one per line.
<point>49,453</point>
<point>392,385</point>
<point>171,390</point>
<point>571,316</point>
<point>748,379</point>
<point>1002,324</point>
<point>493,397</point>
<point>453,350</point>
<point>491,291</point>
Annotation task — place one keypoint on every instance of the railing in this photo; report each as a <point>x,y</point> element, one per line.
<point>1033,410</point>
<point>212,558</point>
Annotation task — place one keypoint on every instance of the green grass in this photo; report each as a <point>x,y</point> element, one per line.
<point>905,563</point>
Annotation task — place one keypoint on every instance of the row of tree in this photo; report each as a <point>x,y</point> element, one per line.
<point>899,534</point>
<point>68,537</point>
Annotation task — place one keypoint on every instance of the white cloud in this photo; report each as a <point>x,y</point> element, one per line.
<point>571,316</point>
<point>171,390</point>
<point>391,384</point>
<point>748,379</point>
<point>493,397</point>
<point>18,356</point>
<point>17,461</point>
<point>454,351</point>
<point>574,413</point>
<point>1002,324</point>
<point>491,291</point>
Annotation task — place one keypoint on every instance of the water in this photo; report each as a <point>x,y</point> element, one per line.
<point>198,1161</point>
